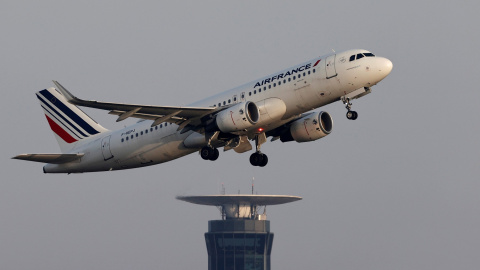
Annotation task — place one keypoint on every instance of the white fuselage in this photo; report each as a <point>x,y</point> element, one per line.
<point>301,88</point>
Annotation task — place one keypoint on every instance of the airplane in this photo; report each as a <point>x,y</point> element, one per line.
<point>277,106</point>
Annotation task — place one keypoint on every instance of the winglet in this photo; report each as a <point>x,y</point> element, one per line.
<point>65,92</point>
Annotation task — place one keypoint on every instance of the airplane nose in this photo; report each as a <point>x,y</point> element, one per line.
<point>383,67</point>
<point>387,66</point>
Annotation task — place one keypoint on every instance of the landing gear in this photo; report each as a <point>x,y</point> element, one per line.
<point>209,153</point>
<point>258,158</point>
<point>351,115</point>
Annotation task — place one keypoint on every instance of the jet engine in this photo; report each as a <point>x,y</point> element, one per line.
<point>238,117</point>
<point>309,128</point>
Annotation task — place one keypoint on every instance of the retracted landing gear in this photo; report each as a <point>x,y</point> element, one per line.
<point>209,153</point>
<point>258,158</point>
<point>351,115</point>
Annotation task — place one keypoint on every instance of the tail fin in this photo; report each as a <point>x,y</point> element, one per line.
<point>69,124</point>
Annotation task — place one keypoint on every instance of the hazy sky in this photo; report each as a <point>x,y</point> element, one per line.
<point>396,189</point>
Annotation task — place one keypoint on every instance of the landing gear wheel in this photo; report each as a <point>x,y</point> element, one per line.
<point>214,155</point>
<point>255,159</point>
<point>205,152</point>
<point>209,153</point>
<point>258,159</point>
<point>264,161</point>
<point>352,115</point>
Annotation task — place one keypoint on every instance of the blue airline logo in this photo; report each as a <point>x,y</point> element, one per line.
<point>284,75</point>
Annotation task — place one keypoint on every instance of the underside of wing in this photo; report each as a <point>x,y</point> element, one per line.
<point>160,114</point>
<point>50,158</point>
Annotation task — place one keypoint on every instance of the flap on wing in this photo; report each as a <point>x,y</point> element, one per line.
<point>135,110</point>
<point>50,158</point>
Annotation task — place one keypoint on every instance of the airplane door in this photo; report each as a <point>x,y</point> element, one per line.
<point>107,154</point>
<point>330,66</point>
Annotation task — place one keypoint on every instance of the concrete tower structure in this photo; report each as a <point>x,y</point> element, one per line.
<point>242,238</point>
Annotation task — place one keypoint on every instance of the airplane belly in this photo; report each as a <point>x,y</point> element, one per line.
<point>167,148</point>
<point>271,110</point>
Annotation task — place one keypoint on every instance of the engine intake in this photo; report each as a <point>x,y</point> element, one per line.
<point>309,128</point>
<point>237,117</point>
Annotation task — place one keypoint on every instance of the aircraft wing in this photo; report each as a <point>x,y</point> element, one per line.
<point>50,158</point>
<point>181,115</point>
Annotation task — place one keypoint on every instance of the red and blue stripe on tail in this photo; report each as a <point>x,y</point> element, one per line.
<point>67,121</point>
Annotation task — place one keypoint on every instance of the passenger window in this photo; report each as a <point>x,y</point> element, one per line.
<point>352,58</point>
<point>141,132</point>
<point>235,99</point>
<point>249,93</point>
<point>284,81</point>
<point>313,70</point>
<point>126,138</point>
<point>274,84</point>
<point>136,134</point>
<point>299,76</point>
<point>269,86</point>
<point>280,83</point>
<point>254,92</point>
<point>294,77</point>
<point>289,79</point>
<point>146,131</point>
<point>359,56</point>
<point>224,103</point>
<point>309,72</point>
<point>131,137</point>
<point>122,139</point>
<point>264,88</point>
<point>160,125</point>
<point>151,129</point>
<point>229,101</point>
<point>156,127</point>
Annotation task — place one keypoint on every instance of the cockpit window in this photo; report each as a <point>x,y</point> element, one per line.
<point>360,56</point>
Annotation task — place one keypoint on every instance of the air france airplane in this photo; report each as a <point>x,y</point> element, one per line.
<point>277,106</point>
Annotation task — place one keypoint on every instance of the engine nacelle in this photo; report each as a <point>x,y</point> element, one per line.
<point>238,117</point>
<point>309,128</point>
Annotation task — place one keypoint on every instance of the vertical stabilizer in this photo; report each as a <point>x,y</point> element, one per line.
<point>69,124</point>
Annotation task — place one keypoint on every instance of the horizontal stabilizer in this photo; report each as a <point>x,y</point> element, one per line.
<point>50,158</point>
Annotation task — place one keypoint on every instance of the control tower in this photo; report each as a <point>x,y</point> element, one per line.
<point>242,238</point>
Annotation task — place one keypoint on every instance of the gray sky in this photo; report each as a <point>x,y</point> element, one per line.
<point>396,189</point>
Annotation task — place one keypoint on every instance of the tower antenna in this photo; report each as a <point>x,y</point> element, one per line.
<point>253,179</point>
